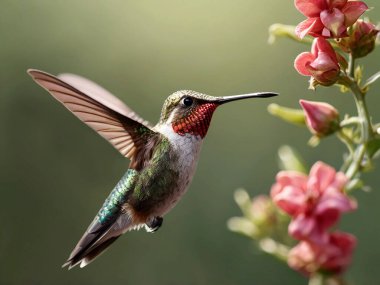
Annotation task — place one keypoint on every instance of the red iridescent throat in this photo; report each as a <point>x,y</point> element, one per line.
<point>197,122</point>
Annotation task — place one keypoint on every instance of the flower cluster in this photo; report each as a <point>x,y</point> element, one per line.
<point>315,204</point>
<point>328,18</point>
<point>298,224</point>
<point>337,20</point>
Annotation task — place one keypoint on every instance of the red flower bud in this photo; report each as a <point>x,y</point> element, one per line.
<point>322,119</point>
<point>361,40</point>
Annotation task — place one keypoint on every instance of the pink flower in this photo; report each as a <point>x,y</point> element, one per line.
<point>328,18</point>
<point>314,202</point>
<point>333,257</point>
<point>321,118</point>
<point>321,63</point>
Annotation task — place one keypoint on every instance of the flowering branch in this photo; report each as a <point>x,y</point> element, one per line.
<point>315,201</point>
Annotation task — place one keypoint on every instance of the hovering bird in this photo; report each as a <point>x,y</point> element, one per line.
<point>163,157</point>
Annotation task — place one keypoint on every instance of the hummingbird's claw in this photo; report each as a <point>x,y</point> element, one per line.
<point>154,224</point>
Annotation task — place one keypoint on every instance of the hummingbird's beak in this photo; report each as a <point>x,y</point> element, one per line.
<point>226,99</point>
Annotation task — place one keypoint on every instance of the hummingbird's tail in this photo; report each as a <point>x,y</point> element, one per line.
<point>97,239</point>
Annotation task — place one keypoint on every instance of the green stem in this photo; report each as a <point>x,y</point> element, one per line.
<point>351,66</point>
<point>346,140</point>
<point>365,121</point>
<point>350,146</point>
<point>356,163</point>
<point>350,121</point>
<point>367,131</point>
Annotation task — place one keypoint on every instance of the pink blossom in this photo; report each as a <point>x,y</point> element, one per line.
<point>328,18</point>
<point>321,63</point>
<point>321,118</point>
<point>314,202</point>
<point>334,256</point>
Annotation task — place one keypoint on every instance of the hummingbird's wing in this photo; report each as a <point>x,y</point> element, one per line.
<point>99,109</point>
<point>100,94</point>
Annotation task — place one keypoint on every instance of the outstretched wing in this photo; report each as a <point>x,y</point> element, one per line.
<point>99,109</point>
<point>101,95</point>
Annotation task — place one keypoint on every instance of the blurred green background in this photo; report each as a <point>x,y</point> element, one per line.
<point>55,172</point>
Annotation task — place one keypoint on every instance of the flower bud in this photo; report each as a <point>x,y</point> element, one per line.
<point>321,63</point>
<point>361,40</point>
<point>322,119</point>
<point>262,210</point>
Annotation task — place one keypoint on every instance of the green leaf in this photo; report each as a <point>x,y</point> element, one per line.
<point>372,80</point>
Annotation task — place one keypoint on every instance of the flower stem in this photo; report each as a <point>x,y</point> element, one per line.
<point>350,146</point>
<point>367,131</point>
<point>356,163</point>
<point>351,66</point>
<point>347,141</point>
<point>365,121</point>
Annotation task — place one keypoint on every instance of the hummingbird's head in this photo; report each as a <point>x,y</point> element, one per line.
<point>190,112</point>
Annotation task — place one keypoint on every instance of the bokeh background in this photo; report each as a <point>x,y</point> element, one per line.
<point>55,172</point>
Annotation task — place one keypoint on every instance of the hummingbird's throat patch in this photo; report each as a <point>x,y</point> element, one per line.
<point>197,122</point>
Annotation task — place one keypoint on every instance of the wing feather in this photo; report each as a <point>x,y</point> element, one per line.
<point>99,109</point>
<point>100,94</point>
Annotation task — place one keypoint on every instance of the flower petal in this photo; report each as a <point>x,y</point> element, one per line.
<point>333,21</point>
<point>302,226</point>
<point>352,11</point>
<point>303,258</point>
<point>320,177</point>
<point>294,178</point>
<point>302,61</point>
<point>335,200</point>
<point>312,26</point>
<point>310,8</point>
<point>290,199</point>
<point>336,256</point>
<point>321,44</point>
<point>337,3</point>
<point>324,63</point>
<point>289,191</point>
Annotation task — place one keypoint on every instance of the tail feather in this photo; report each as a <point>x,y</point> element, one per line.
<point>96,251</point>
<point>96,239</point>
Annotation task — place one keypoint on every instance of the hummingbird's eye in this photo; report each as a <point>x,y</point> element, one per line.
<point>187,101</point>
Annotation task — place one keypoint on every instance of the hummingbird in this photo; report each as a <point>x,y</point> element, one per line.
<point>163,157</point>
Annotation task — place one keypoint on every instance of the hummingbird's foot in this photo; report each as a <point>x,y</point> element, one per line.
<point>153,224</point>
